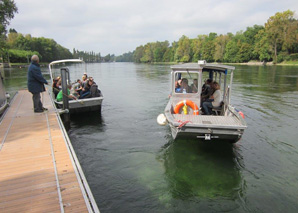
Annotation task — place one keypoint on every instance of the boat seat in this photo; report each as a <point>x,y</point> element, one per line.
<point>218,110</point>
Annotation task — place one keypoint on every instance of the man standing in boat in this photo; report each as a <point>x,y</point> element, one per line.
<point>36,83</point>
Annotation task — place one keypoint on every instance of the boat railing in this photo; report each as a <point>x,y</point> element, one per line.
<point>226,100</point>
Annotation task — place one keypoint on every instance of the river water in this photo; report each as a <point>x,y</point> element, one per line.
<point>133,165</point>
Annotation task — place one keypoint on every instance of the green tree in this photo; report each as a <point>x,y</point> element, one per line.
<point>220,46</point>
<point>244,53</point>
<point>251,32</point>
<point>262,47</point>
<point>138,54</point>
<point>208,48</point>
<point>196,46</point>
<point>183,52</point>
<point>277,30</point>
<point>148,53</point>
<point>159,49</point>
<point>7,10</point>
<point>231,51</point>
<point>250,38</point>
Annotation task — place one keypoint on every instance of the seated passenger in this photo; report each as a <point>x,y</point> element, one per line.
<point>94,91</point>
<point>194,86</point>
<point>184,86</point>
<point>178,86</point>
<point>84,79</point>
<point>86,93</point>
<point>207,90</point>
<point>56,86</point>
<point>78,86</point>
<point>207,106</point>
<point>70,96</point>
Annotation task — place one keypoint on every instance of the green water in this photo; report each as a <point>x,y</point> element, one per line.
<point>133,165</point>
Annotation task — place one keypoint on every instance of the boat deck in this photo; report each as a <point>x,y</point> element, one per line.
<point>216,121</point>
<point>39,171</point>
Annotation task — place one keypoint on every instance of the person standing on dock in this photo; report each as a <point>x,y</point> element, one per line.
<point>36,83</point>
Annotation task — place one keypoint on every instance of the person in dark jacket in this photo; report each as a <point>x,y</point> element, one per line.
<point>91,89</point>
<point>95,92</point>
<point>36,83</point>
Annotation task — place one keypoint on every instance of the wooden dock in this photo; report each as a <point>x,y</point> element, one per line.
<point>39,171</point>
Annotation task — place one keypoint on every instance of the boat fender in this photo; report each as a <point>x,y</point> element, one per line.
<point>188,103</point>
<point>162,120</point>
<point>241,113</point>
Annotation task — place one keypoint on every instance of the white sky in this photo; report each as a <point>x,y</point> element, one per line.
<point>119,26</point>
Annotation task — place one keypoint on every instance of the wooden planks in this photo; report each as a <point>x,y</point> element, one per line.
<point>36,170</point>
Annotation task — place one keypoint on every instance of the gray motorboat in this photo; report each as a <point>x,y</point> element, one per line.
<point>184,114</point>
<point>78,66</point>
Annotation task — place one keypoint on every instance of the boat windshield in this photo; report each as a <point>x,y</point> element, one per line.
<point>186,82</point>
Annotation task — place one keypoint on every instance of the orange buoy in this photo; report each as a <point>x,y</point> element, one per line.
<point>188,103</point>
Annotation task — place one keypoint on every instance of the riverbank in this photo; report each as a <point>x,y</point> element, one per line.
<point>253,63</point>
<point>259,63</point>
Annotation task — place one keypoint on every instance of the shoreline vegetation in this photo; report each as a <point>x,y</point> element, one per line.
<point>250,63</point>
<point>275,42</point>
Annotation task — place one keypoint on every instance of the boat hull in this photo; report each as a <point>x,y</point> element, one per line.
<point>207,133</point>
<point>82,105</point>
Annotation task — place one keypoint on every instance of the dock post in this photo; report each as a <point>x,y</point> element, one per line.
<point>65,81</point>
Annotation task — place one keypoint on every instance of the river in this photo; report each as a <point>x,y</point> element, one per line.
<point>133,165</point>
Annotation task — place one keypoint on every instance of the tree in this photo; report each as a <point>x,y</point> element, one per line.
<point>231,51</point>
<point>262,46</point>
<point>148,53</point>
<point>277,30</point>
<point>196,46</point>
<point>208,48</point>
<point>183,52</point>
<point>138,54</point>
<point>7,10</point>
<point>220,46</point>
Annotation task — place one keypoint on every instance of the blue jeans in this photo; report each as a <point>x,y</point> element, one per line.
<point>207,106</point>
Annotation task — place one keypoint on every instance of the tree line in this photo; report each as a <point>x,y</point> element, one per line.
<point>18,48</point>
<point>276,41</point>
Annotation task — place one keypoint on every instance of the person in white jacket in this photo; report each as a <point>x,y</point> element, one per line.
<point>216,96</point>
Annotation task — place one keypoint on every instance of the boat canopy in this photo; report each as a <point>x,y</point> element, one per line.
<point>205,67</point>
<point>51,65</point>
<point>66,61</point>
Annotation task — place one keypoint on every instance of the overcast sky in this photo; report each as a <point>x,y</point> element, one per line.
<point>119,26</point>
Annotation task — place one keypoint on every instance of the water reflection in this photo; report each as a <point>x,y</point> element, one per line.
<point>202,170</point>
<point>92,119</point>
<point>267,79</point>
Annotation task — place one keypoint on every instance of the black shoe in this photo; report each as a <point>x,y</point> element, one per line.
<point>45,109</point>
<point>38,111</point>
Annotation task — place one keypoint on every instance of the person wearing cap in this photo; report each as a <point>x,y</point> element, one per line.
<point>36,83</point>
